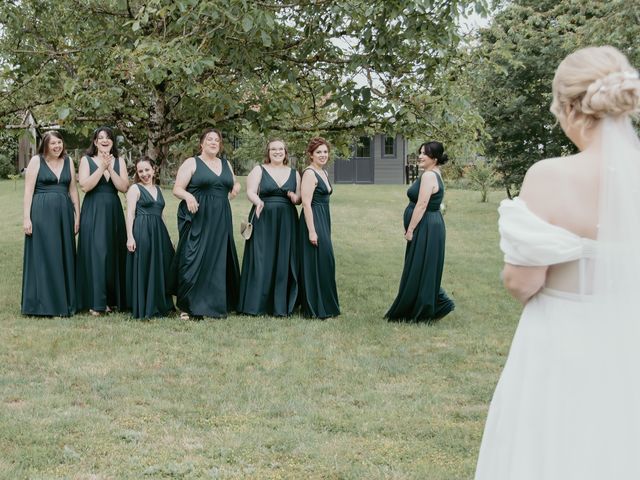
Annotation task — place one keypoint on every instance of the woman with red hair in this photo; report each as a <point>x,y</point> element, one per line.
<point>318,292</point>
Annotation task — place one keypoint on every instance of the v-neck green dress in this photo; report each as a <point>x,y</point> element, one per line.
<point>318,290</point>
<point>208,274</point>
<point>420,296</point>
<point>102,247</point>
<point>269,279</point>
<point>48,269</point>
<point>149,266</point>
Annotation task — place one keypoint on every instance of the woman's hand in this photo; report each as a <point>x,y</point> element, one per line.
<point>28,227</point>
<point>313,238</point>
<point>259,208</point>
<point>131,245</point>
<point>105,161</point>
<point>408,235</point>
<point>192,203</point>
<point>234,191</point>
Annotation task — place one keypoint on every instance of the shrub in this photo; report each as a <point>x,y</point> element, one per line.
<point>483,177</point>
<point>7,166</point>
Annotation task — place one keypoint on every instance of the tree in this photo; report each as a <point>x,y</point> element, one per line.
<point>161,70</point>
<point>515,62</point>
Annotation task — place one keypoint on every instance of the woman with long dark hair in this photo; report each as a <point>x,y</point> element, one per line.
<point>102,242</point>
<point>420,296</point>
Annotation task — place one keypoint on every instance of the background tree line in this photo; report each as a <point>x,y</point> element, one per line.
<point>161,70</point>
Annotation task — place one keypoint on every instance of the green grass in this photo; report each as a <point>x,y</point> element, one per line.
<point>349,398</point>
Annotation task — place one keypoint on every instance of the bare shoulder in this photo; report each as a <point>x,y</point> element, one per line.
<point>429,176</point>
<point>542,184</point>
<point>309,173</point>
<point>188,164</point>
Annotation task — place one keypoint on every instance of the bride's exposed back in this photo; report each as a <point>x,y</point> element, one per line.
<point>567,405</point>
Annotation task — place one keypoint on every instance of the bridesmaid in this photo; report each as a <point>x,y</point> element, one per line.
<point>51,220</point>
<point>151,251</point>
<point>269,280</point>
<point>318,292</point>
<point>102,242</point>
<point>206,263</point>
<point>420,296</point>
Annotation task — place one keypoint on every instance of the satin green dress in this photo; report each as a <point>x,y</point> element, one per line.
<point>269,279</point>
<point>48,268</point>
<point>149,266</point>
<point>420,296</point>
<point>102,248</point>
<point>318,291</point>
<point>206,262</point>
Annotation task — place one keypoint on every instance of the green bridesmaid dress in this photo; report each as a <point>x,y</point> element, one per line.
<point>318,291</point>
<point>102,248</point>
<point>420,297</point>
<point>149,267</point>
<point>48,270</point>
<point>206,263</point>
<point>269,279</point>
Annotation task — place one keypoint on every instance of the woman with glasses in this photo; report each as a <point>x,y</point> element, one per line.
<point>269,279</point>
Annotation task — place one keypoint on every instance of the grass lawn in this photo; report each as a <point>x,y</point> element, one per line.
<point>349,398</point>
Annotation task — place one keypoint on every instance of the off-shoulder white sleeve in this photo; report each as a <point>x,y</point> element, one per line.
<point>527,240</point>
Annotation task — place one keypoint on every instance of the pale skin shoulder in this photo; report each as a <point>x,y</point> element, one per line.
<point>307,187</point>
<point>185,172</point>
<point>253,185</point>
<point>236,185</point>
<point>75,198</point>
<point>538,188</point>
<point>295,196</point>
<point>428,186</point>
<point>30,177</point>
<point>133,195</point>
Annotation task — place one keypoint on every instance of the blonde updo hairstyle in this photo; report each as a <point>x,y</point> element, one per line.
<point>593,83</point>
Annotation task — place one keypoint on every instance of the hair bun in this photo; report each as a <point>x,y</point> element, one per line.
<point>614,94</point>
<point>444,158</point>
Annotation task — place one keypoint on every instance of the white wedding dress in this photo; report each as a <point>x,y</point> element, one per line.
<point>567,404</point>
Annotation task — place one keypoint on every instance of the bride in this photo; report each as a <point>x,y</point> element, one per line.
<point>567,405</point>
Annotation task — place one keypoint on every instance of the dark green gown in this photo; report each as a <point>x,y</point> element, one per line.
<point>208,275</point>
<point>318,291</point>
<point>149,267</point>
<point>420,297</point>
<point>269,280</point>
<point>102,248</point>
<point>48,269</point>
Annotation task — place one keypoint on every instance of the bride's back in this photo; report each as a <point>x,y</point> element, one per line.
<point>565,192</point>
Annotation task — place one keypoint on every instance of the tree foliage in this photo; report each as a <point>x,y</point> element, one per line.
<point>514,64</point>
<point>161,70</point>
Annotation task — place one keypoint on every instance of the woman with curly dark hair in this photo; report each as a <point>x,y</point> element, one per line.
<point>420,297</point>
